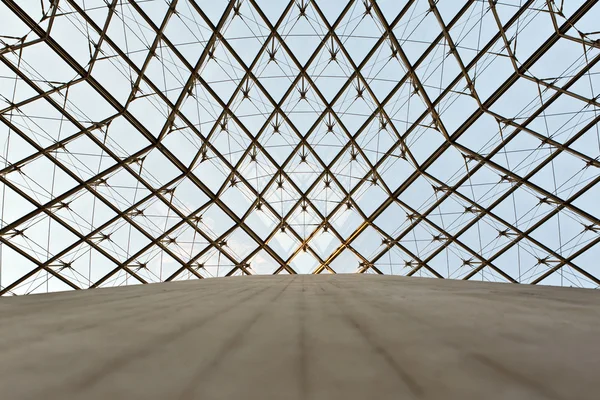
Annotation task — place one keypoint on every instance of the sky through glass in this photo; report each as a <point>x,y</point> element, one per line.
<point>149,141</point>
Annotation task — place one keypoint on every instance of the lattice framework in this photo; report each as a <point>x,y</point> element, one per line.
<point>148,141</point>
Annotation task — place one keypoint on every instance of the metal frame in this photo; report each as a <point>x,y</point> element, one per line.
<point>305,87</point>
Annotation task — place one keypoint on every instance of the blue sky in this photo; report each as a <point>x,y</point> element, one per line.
<point>347,154</point>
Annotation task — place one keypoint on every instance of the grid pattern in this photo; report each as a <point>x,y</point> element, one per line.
<point>149,141</point>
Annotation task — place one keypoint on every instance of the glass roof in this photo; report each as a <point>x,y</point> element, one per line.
<point>149,141</point>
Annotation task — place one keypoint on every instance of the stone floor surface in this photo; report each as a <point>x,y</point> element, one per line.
<point>303,337</point>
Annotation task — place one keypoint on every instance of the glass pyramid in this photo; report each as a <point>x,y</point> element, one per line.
<point>150,141</point>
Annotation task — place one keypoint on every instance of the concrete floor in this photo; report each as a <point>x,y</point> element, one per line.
<point>303,337</point>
